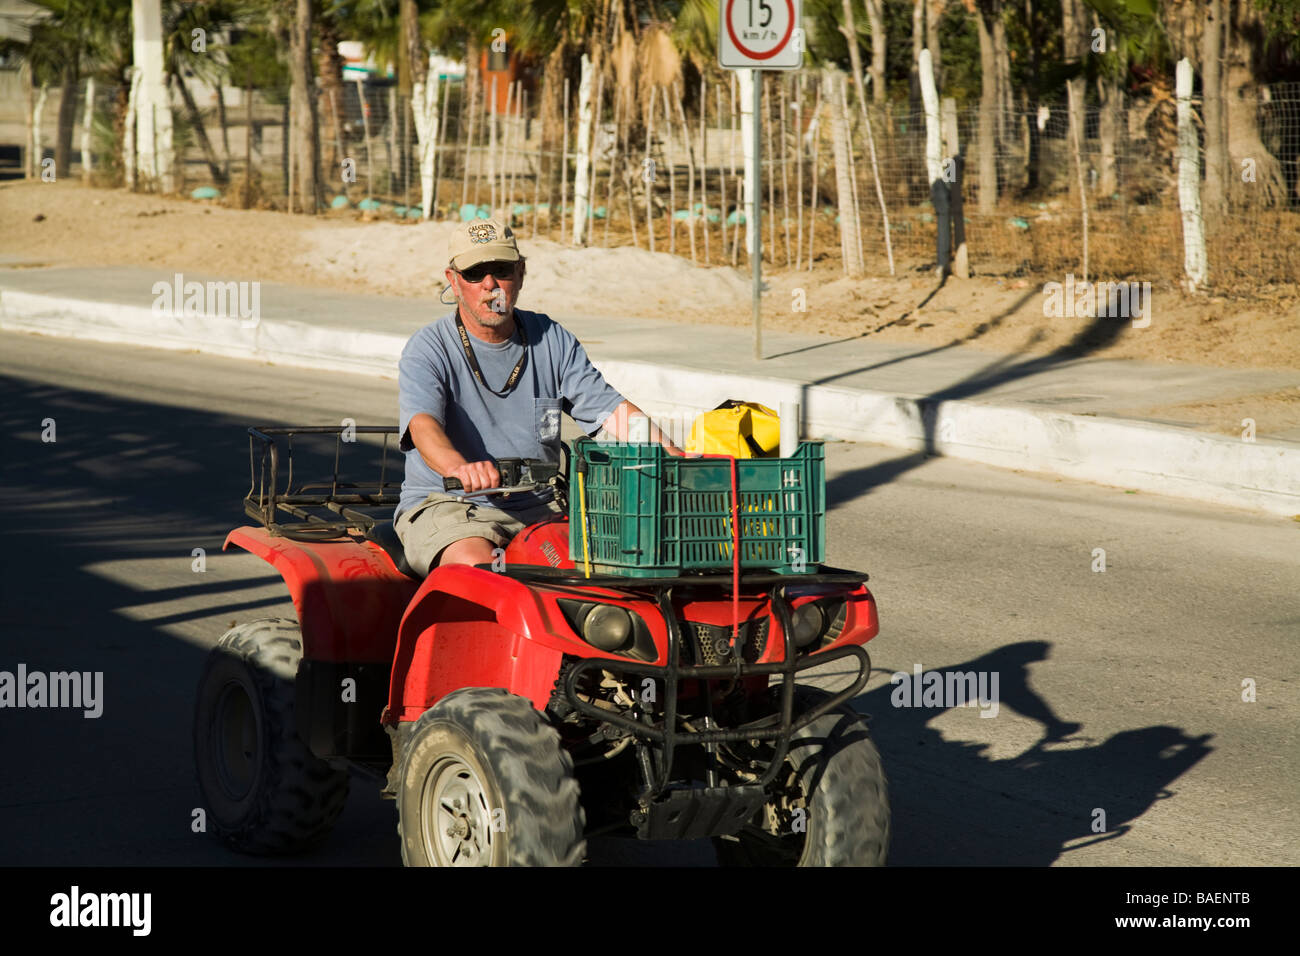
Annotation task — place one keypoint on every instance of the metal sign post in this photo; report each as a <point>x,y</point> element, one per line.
<point>757,35</point>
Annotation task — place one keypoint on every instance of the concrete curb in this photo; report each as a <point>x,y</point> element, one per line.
<point>1262,475</point>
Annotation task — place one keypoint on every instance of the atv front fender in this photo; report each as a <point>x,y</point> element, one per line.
<point>469,627</point>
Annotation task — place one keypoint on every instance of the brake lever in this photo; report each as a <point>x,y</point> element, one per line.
<point>513,489</point>
<point>527,477</point>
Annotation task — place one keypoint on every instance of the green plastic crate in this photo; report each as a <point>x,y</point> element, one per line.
<point>652,514</point>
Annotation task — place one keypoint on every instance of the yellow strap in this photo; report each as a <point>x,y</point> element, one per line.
<point>582,505</point>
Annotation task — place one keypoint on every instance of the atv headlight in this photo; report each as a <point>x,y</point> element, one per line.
<point>607,627</point>
<point>809,623</point>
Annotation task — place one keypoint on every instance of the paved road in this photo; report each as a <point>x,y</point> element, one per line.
<point>975,569</point>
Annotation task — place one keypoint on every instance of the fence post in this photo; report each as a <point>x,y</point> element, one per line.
<point>952,150</point>
<point>1189,177</point>
<point>934,163</point>
<point>1076,148</point>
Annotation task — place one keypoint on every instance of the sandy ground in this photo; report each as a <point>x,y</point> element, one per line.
<point>68,224</point>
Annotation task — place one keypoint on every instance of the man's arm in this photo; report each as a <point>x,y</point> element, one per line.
<point>439,454</point>
<point>617,425</point>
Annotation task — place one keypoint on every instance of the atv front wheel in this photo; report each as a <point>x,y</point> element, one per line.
<point>832,808</point>
<point>485,782</point>
<point>265,791</point>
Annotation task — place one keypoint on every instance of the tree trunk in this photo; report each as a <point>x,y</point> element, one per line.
<point>130,155</point>
<point>1108,93</point>
<point>1002,66</point>
<point>588,111</point>
<point>917,186</point>
<point>918,44</point>
<point>248,146</point>
<point>553,123</point>
<point>1195,265</point>
<point>424,105</point>
<point>67,118</point>
<point>988,169</point>
<point>29,115</point>
<point>225,129</point>
<point>843,183</point>
<point>850,30</point>
<point>879,44</point>
<point>473,83</point>
<point>330,66</point>
<point>1034,151</point>
<point>306,138</point>
<point>155,155</point>
<point>933,14</point>
<point>1212,108</point>
<point>1074,45</point>
<point>37,150</point>
<point>121,104</point>
<point>200,131</point>
<point>1244,42</point>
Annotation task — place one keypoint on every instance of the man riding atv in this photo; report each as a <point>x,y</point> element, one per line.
<point>630,667</point>
<point>485,383</point>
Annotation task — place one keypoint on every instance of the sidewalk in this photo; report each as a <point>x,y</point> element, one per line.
<point>1074,416</point>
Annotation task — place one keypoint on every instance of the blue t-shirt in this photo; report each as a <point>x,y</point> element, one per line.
<point>435,378</point>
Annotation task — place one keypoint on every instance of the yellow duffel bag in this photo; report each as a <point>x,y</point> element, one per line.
<point>742,429</point>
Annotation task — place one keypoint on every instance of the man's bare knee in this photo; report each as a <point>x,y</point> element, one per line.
<point>467,551</point>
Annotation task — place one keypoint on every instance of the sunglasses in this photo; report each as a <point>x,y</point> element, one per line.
<point>497,270</point>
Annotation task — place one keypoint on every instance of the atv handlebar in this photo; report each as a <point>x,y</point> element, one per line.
<point>517,474</point>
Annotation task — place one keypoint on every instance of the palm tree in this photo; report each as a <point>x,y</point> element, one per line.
<point>187,53</point>
<point>55,54</point>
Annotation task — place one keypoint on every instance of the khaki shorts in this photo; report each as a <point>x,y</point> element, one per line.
<point>442,519</point>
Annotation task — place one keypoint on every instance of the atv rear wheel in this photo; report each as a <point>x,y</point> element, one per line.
<point>265,791</point>
<point>833,806</point>
<point>485,782</point>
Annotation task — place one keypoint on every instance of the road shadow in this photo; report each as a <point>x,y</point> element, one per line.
<point>100,528</point>
<point>955,804</point>
<point>1097,335</point>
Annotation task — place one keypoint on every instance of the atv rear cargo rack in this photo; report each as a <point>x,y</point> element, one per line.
<point>337,498</point>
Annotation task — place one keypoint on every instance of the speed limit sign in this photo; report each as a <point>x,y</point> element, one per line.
<point>760,34</point>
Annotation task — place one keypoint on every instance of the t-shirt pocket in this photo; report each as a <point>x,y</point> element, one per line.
<point>546,415</point>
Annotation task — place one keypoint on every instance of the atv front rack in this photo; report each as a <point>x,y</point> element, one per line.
<point>338,499</point>
<point>678,813</point>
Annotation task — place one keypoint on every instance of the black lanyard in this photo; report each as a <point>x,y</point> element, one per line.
<point>513,380</point>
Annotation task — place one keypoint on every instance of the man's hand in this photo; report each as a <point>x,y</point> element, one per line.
<point>476,475</point>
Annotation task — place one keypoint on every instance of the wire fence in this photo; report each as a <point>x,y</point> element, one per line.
<point>668,175</point>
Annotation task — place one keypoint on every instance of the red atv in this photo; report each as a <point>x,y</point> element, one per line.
<point>515,709</point>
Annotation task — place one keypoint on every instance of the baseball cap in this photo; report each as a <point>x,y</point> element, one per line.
<point>482,240</point>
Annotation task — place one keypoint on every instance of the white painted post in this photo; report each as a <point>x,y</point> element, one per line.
<point>424,104</point>
<point>1189,181</point>
<point>153,109</point>
<point>638,430</point>
<point>87,116</point>
<point>934,160</point>
<point>581,176</point>
<point>789,428</point>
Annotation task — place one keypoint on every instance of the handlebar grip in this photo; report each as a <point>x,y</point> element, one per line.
<point>452,484</point>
